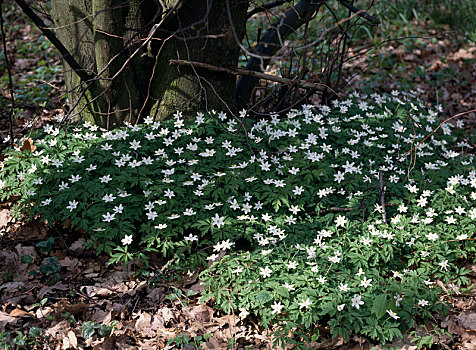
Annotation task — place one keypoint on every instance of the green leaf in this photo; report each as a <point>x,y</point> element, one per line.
<point>104,330</point>
<point>263,297</point>
<point>46,245</point>
<point>282,291</point>
<point>380,305</point>
<point>20,339</point>
<point>88,329</point>
<point>35,332</point>
<point>26,259</point>
<point>276,205</point>
<point>50,266</point>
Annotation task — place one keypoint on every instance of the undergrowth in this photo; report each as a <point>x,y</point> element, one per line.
<point>358,217</point>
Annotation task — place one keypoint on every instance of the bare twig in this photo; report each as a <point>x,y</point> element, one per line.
<point>245,72</point>
<point>266,7</point>
<point>10,80</point>
<point>359,12</point>
<point>439,126</point>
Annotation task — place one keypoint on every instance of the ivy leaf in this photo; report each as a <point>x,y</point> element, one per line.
<point>105,330</point>
<point>88,329</point>
<point>380,305</point>
<point>51,265</point>
<point>26,259</point>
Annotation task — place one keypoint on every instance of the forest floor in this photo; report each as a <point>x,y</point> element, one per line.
<point>93,305</point>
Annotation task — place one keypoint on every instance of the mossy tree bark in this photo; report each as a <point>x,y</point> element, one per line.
<point>102,35</point>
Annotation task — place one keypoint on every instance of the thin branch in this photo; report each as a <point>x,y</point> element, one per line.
<point>245,72</point>
<point>54,40</point>
<point>266,7</point>
<point>439,126</point>
<point>10,80</point>
<point>359,12</point>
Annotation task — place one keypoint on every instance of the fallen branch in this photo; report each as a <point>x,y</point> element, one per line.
<point>250,73</point>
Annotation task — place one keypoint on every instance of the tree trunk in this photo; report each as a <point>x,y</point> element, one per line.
<point>103,34</point>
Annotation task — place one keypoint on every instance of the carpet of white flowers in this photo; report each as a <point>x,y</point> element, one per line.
<point>358,217</point>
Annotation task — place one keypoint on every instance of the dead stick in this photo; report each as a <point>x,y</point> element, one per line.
<point>245,72</point>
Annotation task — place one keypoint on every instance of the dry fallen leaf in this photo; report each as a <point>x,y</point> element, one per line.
<point>5,318</point>
<point>107,344</point>
<point>28,145</point>
<point>59,330</point>
<point>463,54</point>
<point>26,250</point>
<point>66,344</point>
<point>51,290</point>
<point>5,217</point>
<point>11,286</point>
<point>157,322</point>
<point>451,324</point>
<point>20,313</point>
<point>43,312</point>
<point>69,262</point>
<point>76,308</point>
<point>72,339</point>
<point>467,320</point>
<point>78,246</point>
<point>92,291</point>
<point>197,287</point>
<point>31,231</point>
<point>156,295</point>
<point>143,325</point>
<point>101,316</point>
<point>214,343</point>
<point>200,312</point>
<point>166,314</point>
<point>148,344</point>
